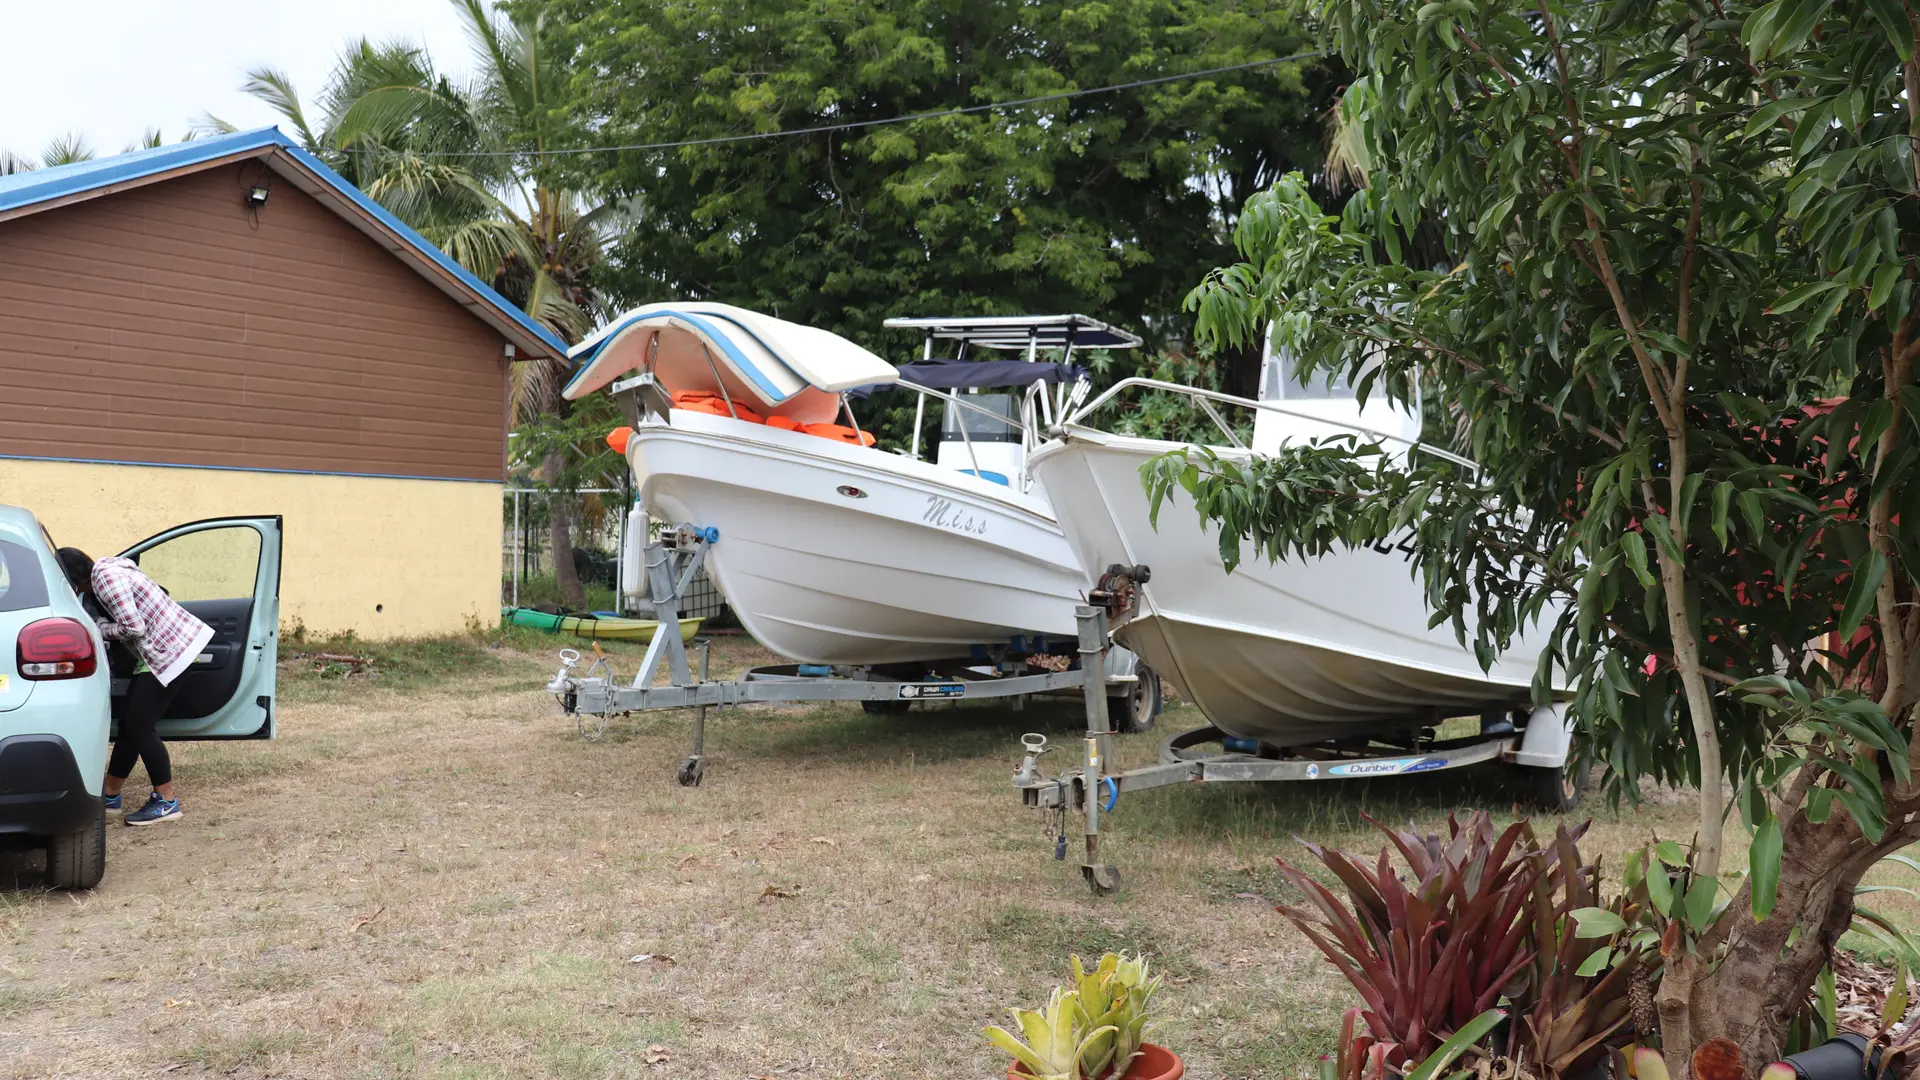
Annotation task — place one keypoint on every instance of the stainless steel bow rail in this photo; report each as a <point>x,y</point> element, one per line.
<point>1089,790</point>
<point>596,695</point>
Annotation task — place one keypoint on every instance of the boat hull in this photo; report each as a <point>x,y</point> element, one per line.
<point>1289,653</point>
<point>832,553</point>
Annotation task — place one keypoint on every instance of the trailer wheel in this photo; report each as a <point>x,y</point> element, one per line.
<point>1557,790</point>
<point>1135,709</point>
<point>885,708</point>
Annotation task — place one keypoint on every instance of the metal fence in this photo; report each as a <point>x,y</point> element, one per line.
<point>525,554</point>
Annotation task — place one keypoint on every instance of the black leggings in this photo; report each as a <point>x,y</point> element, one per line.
<point>146,700</point>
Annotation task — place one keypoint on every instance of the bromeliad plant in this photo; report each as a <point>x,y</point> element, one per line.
<point>1482,918</point>
<point>1059,1041</point>
<point>1116,994</point>
<point>1093,1030</point>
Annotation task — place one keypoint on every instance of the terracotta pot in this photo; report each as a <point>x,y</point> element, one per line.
<point>1154,1063</point>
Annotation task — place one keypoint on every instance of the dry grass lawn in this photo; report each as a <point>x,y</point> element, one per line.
<point>420,879</point>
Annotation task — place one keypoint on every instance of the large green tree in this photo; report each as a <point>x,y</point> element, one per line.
<point>1675,322</point>
<point>1107,204</point>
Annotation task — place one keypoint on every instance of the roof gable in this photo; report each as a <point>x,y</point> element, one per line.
<point>63,185</point>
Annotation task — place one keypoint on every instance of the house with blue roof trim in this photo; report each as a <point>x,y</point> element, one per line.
<point>227,327</point>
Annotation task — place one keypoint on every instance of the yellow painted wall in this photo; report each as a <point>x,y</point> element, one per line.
<point>380,557</point>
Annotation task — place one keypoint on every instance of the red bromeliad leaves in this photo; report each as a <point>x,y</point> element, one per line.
<point>1475,917</point>
<point>1428,952</point>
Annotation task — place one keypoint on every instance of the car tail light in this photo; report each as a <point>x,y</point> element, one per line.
<point>55,649</point>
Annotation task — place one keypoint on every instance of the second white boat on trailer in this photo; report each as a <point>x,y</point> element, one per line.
<point>1286,656</point>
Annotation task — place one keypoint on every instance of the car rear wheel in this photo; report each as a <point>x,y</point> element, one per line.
<point>78,860</point>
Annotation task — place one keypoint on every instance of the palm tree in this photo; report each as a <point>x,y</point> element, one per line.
<point>62,150</point>
<point>73,147</point>
<point>466,167</point>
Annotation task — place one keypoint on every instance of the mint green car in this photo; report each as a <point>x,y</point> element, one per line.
<point>57,689</point>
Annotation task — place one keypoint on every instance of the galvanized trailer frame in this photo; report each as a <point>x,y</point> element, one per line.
<point>671,565</point>
<point>1181,763</point>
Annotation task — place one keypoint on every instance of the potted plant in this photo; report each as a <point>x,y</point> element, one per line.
<point>1094,1030</point>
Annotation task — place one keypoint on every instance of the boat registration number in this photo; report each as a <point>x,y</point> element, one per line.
<point>939,690</point>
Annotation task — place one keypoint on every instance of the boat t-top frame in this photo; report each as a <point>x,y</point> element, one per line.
<point>1008,333</point>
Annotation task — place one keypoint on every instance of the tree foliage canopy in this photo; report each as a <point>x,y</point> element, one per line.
<point>1675,323</point>
<point>1106,204</point>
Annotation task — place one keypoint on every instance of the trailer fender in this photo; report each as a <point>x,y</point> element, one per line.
<point>1549,736</point>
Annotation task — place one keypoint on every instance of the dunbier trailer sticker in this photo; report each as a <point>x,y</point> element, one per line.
<point>1389,767</point>
<point>938,690</point>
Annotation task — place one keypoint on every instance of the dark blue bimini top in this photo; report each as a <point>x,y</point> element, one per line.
<point>979,374</point>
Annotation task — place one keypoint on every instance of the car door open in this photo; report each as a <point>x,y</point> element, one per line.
<point>226,571</point>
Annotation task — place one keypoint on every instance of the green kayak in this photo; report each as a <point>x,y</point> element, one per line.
<point>595,626</point>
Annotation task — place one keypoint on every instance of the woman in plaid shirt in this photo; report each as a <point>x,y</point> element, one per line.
<point>166,638</point>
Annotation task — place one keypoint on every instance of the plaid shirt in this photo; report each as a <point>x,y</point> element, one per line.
<point>167,635</point>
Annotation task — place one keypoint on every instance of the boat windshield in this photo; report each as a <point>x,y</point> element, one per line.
<point>981,428</point>
<point>1283,384</point>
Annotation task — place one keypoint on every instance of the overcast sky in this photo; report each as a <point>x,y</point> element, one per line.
<point>110,69</point>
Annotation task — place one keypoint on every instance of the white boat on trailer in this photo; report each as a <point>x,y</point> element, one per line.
<point>833,552</point>
<point>1312,661</point>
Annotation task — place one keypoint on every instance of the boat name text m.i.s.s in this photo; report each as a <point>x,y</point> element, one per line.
<point>941,512</point>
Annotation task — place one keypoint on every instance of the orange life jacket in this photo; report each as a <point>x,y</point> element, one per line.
<point>702,401</point>
<point>840,433</point>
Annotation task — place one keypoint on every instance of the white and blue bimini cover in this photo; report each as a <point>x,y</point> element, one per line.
<point>692,346</point>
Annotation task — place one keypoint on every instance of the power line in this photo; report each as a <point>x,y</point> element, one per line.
<point>1014,103</point>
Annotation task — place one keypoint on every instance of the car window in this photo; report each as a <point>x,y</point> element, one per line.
<point>212,564</point>
<point>22,585</point>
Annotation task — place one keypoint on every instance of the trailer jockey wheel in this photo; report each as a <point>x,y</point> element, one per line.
<point>1102,878</point>
<point>692,771</point>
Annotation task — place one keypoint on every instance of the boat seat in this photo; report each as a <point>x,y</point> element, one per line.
<point>702,401</point>
<point>989,474</point>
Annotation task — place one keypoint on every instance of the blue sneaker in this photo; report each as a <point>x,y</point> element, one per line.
<point>156,811</point>
<point>112,803</point>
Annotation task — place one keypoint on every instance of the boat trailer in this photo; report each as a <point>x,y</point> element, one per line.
<point>1243,760</point>
<point>595,695</point>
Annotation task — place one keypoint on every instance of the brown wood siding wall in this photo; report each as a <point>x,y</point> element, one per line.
<point>166,325</point>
